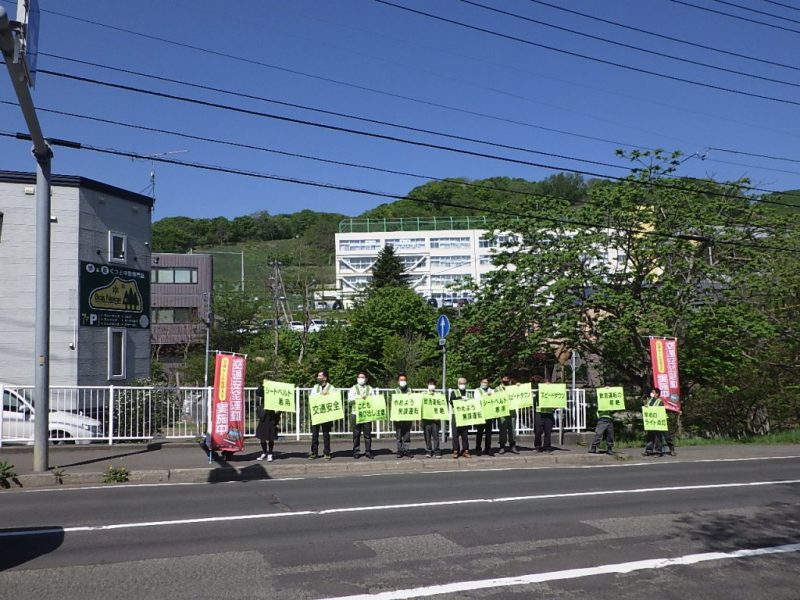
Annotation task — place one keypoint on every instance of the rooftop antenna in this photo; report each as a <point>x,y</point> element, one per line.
<point>151,188</point>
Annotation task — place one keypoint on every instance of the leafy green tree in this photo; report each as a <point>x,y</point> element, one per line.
<point>388,271</point>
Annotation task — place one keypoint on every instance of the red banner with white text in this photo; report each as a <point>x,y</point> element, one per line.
<point>227,403</point>
<point>664,358</point>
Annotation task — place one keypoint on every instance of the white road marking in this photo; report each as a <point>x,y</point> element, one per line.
<point>626,567</point>
<point>407,473</point>
<point>355,509</point>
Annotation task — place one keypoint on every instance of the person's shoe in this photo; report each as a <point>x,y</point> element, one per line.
<point>455,454</point>
<point>466,454</point>
<point>514,450</point>
<point>647,454</point>
<point>610,452</point>
<point>429,454</point>
<point>356,455</point>
<point>399,455</point>
<point>489,453</point>
<point>501,451</point>
<point>269,457</point>
<point>672,452</point>
<point>592,450</point>
<point>438,454</point>
<point>540,449</point>
<point>478,452</point>
<point>312,456</point>
<point>369,455</point>
<point>262,457</point>
<point>327,457</point>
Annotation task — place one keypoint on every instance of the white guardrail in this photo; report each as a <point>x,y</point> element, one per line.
<point>85,414</point>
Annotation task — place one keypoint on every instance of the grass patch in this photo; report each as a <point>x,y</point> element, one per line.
<point>790,436</point>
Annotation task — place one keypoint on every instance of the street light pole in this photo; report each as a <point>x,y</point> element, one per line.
<point>43,155</point>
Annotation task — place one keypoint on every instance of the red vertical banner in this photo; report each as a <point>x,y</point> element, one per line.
<point>227,403</point>
<point>664,359</point>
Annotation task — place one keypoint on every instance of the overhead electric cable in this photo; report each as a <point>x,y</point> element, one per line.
<point>738,17</point>
<point>666,37</point>
<point>629,46</point>
<point>588,57</point>
<point>783,4</point>
<point>345,188</point>
<point>758,12</point>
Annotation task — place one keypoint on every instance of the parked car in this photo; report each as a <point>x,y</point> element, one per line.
<point>19,416</point>
<point>317,325</point>
<point>296,326</point>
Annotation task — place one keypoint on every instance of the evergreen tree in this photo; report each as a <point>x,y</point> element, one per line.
<point>388,271</point>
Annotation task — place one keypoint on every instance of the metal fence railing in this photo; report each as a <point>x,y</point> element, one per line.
<point>84,414</point>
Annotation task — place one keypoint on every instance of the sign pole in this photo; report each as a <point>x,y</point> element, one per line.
<point>443,342</point>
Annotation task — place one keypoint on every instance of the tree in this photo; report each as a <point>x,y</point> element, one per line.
<point>648,255</point>
<point>388,270</point>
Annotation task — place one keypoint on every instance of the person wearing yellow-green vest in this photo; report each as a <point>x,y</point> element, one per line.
<point>486,428</point>
<point>360,391</point>
<point>431,429</point>
<point>603,429</point>
<point>460,435</point>
<point>402,429</point>
<point>507,424</point>
<point>658,443</point>
<point>323,387</point>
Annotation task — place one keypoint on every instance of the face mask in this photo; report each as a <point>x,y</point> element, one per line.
<point>431,388</point>
<point>402,384</point>
<point>361,381</point>
<point>462,386</point>
<point>506,382</point>
<point>320,381</point>
<point>484,386</point>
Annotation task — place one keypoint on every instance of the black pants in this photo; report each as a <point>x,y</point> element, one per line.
<point>460,437</point>
<point>431,429</point>
<point>364,429</point>
<point>402,432</point>
<point>658,442</point>
<point>265,449</point>
<point>486,430</point>
<point>326,437</point>
<point>508,430</point>
<point>604,429</point>
<point>543,430</point>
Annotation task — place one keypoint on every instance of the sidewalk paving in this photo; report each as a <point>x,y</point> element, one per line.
<point>185,462</point>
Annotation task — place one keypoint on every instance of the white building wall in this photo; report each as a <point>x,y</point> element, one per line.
<point>431,257</point>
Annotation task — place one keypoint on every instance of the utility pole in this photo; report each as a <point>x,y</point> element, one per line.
<point>15,38</point>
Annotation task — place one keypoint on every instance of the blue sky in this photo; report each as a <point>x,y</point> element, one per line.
<point>368,44</point>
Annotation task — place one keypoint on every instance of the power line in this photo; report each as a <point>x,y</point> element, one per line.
<point>588,57</point>
<point>349,116</point>
<point>738,17</point>
<point>789,6</point>
<point>349,130</point>
<point>630,46</point>
<point>758,12</point>
<point>666,37</point>
<point>755,154</point>
<point>345,188</point>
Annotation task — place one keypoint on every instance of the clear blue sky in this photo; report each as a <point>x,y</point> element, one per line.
<point>368,44</point>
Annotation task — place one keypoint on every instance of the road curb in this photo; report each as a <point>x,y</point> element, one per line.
<point>318,469</point>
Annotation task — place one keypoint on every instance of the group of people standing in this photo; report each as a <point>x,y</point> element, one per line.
<point>267,427</point>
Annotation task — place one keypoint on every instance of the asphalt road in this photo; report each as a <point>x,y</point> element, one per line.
<point>572,532</point>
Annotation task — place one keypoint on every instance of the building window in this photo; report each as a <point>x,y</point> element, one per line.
<point>185,275</point>
<point>356,262</point>
<point>359,245</point>
<point>117,251</point>
<point>116,353</point>
<point>413,262</point>
<point>175,315</point>
<point>450,242</point>
<point>445,280</point>
<point>1,227</point>
<point>450,261</point>
<point>501,240</point>
<point>406,243</point>
<point>486,259</point>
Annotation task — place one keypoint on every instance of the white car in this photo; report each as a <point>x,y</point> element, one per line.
<point>18,419</point>
<point>296,326</point>
<point>317,325</point>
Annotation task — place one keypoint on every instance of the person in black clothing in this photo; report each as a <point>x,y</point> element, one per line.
<point>460,434</point>
<point>543,422</point>
<point>508,424</point>
<point>267,428</point>
<point>402,429</point>
<point>431,429</point>
<point>657,443</point>
<point>322,387</point>
<point>486,428</point>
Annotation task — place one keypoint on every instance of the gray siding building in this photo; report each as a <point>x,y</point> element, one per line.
<point>100,282</point>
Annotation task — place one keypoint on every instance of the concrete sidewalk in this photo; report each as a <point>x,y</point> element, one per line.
<point>186,462</point>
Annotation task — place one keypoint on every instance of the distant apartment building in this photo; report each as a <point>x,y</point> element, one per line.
<point>181,286</point>
<point>100,281</point>
<point>438,253</point>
